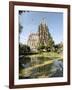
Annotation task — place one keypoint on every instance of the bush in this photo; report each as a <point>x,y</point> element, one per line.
<point>23,49</point>
<point>41,47</point>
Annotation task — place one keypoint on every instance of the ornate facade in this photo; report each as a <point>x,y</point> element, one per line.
<point>39,38</point>
<point>43,34</point>
<point>33,40</point>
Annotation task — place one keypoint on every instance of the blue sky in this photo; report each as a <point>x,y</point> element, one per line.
<point>31,20</point>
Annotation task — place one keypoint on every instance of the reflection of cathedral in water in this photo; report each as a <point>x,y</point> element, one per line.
<point>39,38</point>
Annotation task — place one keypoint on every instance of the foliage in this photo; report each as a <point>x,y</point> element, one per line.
<point>41,47</point>
<point>24,49</point>
<point>20,28</point>
<point>50,45</point>
<point>20,12</point>
<point>58,47</point>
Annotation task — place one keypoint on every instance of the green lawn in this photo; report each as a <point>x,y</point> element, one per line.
<point>46,54</point>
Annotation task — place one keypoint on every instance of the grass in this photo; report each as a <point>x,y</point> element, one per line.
<point>46,54</point>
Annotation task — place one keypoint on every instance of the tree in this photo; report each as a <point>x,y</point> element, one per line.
<point>24,49</point>
<point>50,43</point>
<point>20,28</point>
<point>58,47</point>
<point>41,47</point>
<point>20,12</point>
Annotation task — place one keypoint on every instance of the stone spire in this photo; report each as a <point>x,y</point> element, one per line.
<point>43,21</point>
<point>43,32</point>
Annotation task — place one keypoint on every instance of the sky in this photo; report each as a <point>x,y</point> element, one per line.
<point>30,21</point>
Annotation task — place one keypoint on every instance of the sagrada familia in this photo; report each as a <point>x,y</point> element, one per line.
<point>40,37</point>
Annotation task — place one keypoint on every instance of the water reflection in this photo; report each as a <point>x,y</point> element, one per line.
<point>34,67</point>
<point>57,69</point>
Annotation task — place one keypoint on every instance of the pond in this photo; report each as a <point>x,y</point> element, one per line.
<point>40,67</point>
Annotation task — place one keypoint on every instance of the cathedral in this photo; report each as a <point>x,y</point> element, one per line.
<point>33,41</point>
<point>39,38</point>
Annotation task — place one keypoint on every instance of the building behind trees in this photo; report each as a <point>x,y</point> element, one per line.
<point>41,39</point>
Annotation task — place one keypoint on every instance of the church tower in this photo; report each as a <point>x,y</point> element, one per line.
<point>43,33</point>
